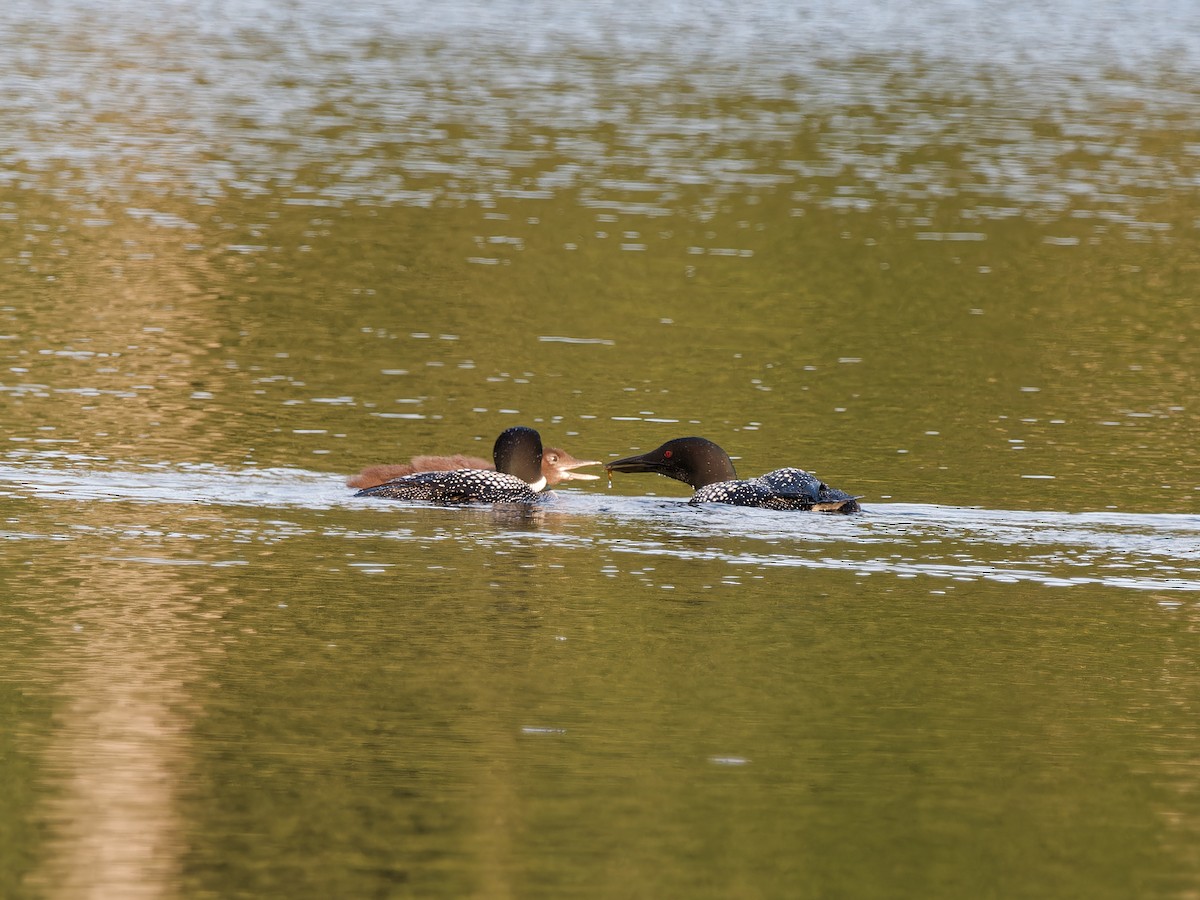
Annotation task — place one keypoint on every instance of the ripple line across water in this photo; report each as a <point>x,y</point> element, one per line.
<point>1135,552</point>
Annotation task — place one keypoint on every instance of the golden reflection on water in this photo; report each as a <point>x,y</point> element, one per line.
<point>118,752</point>
<point>114,338</point>
<point>118,748</point>
<point>113,335</point>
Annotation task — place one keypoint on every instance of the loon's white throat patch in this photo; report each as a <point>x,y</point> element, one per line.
<point>539,485</point>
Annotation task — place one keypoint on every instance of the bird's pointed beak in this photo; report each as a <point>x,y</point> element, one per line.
<point>640,463</point>
<point>567,464</point>
<point>569,474</point>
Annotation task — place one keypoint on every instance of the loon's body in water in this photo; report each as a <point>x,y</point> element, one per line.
<point>517,478</point>
<point>557,465</point>
<point>707,468</point>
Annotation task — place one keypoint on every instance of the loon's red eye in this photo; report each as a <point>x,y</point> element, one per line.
<point>667,454</point>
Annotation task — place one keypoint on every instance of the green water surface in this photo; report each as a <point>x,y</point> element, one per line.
<point>244,253</point>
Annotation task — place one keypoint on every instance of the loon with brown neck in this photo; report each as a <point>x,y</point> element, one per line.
<point>707,468</point>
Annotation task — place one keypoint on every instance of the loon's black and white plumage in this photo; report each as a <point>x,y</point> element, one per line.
<point>557,465</point>
<point>517,478</point>
<point>707,468</point>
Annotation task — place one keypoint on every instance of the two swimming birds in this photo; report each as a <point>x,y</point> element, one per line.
<point>523,469</point>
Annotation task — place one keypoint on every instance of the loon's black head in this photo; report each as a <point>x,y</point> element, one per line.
<point>693,460</point>
<point>518,451</point>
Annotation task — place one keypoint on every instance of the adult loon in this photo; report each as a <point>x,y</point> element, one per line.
<point>708,469</point>
<point>557,465</point>
<point>517,477</point>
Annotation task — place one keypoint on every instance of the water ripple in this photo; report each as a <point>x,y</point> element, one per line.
<point>1129,552</point>
<point>1054,108</point>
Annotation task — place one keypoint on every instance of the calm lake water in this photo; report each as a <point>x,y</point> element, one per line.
<point>943,254</point>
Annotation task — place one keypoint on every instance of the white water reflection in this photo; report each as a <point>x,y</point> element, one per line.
<point>400,103</point>
<point>1124,551</point>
